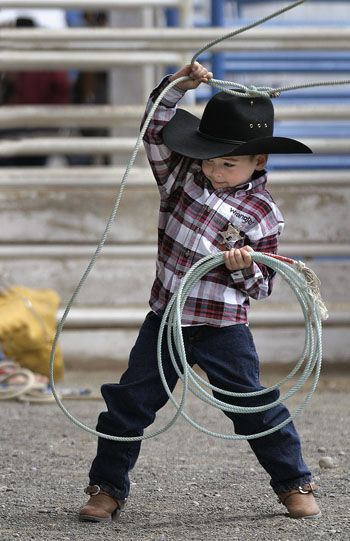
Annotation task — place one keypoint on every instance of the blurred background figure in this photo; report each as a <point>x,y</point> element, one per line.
<point>31,88</point>
<point>46,18</point>
<point>89,87</point>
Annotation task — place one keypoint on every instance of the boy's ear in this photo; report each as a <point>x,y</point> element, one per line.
<point>261,161</point>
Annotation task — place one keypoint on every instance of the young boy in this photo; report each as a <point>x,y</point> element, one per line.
<point>211,178</point>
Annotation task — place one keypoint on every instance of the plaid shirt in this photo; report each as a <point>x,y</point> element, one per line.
<point>195,220</point>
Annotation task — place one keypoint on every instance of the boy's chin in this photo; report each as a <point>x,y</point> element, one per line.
<point>219,184</point>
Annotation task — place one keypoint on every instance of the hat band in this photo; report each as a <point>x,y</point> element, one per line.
<point>218,139</point>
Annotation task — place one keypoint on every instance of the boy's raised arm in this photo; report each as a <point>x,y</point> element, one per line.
<point>163,161</point>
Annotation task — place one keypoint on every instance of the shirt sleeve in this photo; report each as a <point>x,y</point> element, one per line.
<point>257,280</point>
<point>166,165</point>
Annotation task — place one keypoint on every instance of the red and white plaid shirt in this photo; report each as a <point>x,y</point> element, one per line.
<point>196,220</point>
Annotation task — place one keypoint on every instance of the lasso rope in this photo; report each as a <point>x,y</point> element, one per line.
<point>252,91</point>
<point>296,274</point>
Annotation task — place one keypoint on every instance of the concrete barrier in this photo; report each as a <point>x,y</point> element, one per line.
<point>72,205</point>
<point>123,275</point>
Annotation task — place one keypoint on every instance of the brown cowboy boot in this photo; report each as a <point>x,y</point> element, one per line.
<point>300,502</point>
<point>101,507</point>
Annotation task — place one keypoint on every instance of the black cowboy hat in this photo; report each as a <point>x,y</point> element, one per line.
<point>230,126</point>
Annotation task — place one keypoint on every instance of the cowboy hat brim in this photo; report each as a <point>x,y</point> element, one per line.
<point>181,135</point>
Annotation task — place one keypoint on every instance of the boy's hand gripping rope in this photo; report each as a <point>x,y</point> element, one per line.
<point>302,280</point>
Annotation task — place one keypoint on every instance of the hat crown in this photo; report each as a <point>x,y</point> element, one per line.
<point>237,119</point>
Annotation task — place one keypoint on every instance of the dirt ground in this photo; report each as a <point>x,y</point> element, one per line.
<point>185,486</point>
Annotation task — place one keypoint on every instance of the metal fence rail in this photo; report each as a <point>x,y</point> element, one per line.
<point>89,4</point>
<point>116,145</point>
<point>104,318</point>
<point>102,60</point>
<point>112,116</point>
<point>149,251</point>
<point>181,39</point>
<point>109,177</point>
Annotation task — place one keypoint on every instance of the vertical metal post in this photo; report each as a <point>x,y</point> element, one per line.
<point>218,59</point>
<point>127,83</point>
<point>148,78</point>
<point>172,18</point>
<point>185,13</point>
<point>180,16</point>
<point>239,8</point>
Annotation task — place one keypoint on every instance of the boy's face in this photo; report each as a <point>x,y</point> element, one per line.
<point>230,171</point>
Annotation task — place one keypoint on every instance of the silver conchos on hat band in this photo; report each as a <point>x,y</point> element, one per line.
<point>258,125</point>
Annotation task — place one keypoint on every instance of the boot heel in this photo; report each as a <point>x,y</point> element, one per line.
<point>116,514</point>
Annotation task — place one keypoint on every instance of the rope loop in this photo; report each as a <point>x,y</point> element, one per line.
<point>253,91</point>
<point>298,277</point>
<point>237,89</point>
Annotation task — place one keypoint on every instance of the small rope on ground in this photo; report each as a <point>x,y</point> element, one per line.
<point>17,383</point>
<point>9,372</point>
<point>21,384</point>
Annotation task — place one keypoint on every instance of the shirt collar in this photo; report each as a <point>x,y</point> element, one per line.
<point>258,181</point>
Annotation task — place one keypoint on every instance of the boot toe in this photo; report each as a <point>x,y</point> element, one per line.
<point>90,513</point>
<point>301,503</point>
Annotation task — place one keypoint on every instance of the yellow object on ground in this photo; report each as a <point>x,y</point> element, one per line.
<point>28,326</point>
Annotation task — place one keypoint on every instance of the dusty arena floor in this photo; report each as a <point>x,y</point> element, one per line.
<point>186,486</point>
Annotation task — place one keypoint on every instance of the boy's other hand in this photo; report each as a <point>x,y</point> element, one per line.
<point>198,73</point>
<point>238,258</point>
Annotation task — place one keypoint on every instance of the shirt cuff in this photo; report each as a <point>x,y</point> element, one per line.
<point>172,96</point>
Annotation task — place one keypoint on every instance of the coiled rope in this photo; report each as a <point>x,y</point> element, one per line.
<point>302,280</point>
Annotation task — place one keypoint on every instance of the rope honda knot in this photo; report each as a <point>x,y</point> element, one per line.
<point>254,91</point>
<point>312,285</point>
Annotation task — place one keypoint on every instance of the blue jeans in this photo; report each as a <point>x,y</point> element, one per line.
<point>228,357</point>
